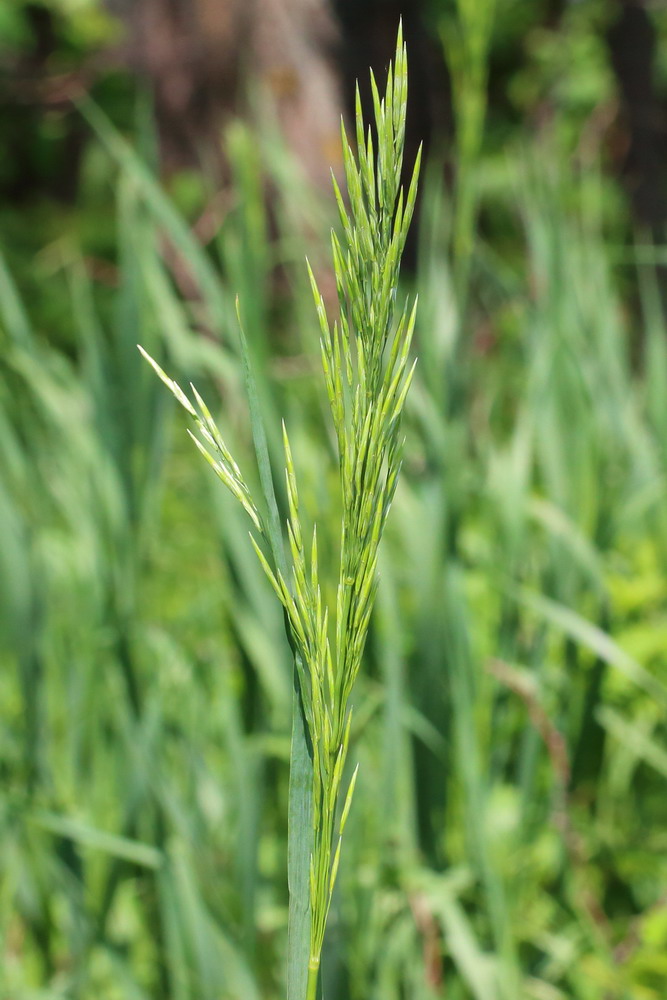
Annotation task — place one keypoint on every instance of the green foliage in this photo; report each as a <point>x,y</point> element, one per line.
<point>507,836</point>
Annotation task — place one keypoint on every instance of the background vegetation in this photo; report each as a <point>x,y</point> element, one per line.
<point>509,831</point>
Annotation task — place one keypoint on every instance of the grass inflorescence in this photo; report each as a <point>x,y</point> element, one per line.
<point>365,358</point>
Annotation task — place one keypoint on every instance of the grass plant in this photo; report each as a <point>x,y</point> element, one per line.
<point>365,354</point>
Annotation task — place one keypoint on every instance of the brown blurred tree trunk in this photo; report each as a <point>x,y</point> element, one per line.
<point>198,54</point>
<point>633,44</point>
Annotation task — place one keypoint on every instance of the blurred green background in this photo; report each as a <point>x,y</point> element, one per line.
<point>509,832</point>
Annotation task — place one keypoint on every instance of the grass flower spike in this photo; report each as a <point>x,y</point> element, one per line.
<point>365,359</point>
